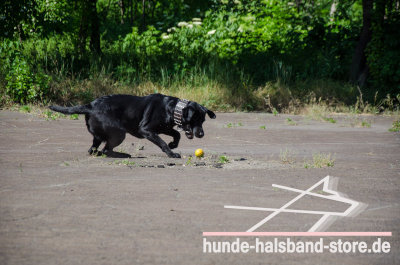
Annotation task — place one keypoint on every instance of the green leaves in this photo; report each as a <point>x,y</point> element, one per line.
<point>248,42</point>
<point>23,86</point>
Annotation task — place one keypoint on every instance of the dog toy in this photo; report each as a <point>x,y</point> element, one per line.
<point>199,153</point>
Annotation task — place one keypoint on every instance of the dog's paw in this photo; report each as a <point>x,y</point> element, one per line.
<point>173,145</point>
<point>175,155</point>
<point>92,151</point>
<point>95,152</point>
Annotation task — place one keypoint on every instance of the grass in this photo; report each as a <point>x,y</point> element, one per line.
<point>25,109</point>
<point>125,162</point>
<point>319,112</point>
<point>357,121</point>
<point>189,161</point>
<point>205,86</point>
<point>287,156</point>
<point>74,117</point>
<point>43,112</point>
<point>222,91</point>
<point>318,99</point>
<point>233,124</point>
<point>263,127</point>
<point>395,126</point>
<point>331,120</point>
<point>223,159</point>
<point>365,124</point>
<point>289,121</point>
<point>50,115</point>
<point>320,160</point>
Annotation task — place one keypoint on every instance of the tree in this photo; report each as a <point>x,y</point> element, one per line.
<point>90,18</point>
<point>359,68</point>
<point>143,15</point>
<point>12,15</point>
<point>95,31</point>
<point>121,4</point>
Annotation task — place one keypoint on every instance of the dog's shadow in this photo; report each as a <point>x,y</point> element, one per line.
<point>114,154</point>
<point>138,157</point>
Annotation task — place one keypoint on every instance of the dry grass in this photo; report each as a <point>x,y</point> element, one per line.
<point>287,156</point>
<point>320,160</point>
<point>316,99</point>
<point>212,94</point>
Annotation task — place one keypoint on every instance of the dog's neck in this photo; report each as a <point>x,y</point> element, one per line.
<point>178,115</point>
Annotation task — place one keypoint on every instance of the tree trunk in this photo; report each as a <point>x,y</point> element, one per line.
<point>83,28</point>
<point>143,15</point>
<point>122,10</point>
<point>134,8</point>
<point>298,3</point>
<point>130,12</point>
<point>95,28</point>
<point>153,9</point>
<point>359,68</point>
<point>333,10</point>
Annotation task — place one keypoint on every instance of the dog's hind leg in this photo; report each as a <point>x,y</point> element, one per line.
<point>96,143</point>
<point>114,139</point>
<point>94,127</point>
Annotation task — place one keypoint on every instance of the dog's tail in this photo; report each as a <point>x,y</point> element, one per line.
<point>84,109</point>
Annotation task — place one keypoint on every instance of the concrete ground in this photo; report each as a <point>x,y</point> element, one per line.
<point>58,205</point>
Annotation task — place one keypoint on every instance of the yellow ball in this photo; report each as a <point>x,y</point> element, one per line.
<point>199,153</point>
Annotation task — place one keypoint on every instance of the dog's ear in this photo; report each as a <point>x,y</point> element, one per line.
<point>209,112</point>
<point>187,114</point>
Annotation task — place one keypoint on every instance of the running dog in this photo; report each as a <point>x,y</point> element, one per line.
<point>109,118</point>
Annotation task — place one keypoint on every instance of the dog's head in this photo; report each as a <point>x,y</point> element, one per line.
<point>193,116</point>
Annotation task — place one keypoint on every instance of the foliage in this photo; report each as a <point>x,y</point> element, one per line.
<point>247,54</point>
<point>23,86</point>
<point>223,159</point>
<point>384,53</point>
<point>395,126</point>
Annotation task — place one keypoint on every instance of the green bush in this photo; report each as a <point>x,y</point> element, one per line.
<point>23,86</point>
<point>255,52</point>
<point>383,56</point>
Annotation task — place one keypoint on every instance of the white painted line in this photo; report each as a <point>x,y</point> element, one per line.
<point>319,223</point>
<point>300,191</point>
<point>283,210</point>
<point>327,217</point>
<point>272,215</point>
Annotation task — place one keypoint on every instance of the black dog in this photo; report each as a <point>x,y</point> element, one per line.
<point>109,118</point>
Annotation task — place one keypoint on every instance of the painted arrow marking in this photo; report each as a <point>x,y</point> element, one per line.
<point>329,186</point>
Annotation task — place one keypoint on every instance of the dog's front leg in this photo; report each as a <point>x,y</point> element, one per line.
<point>154,138</point>
<point>177,137</point>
